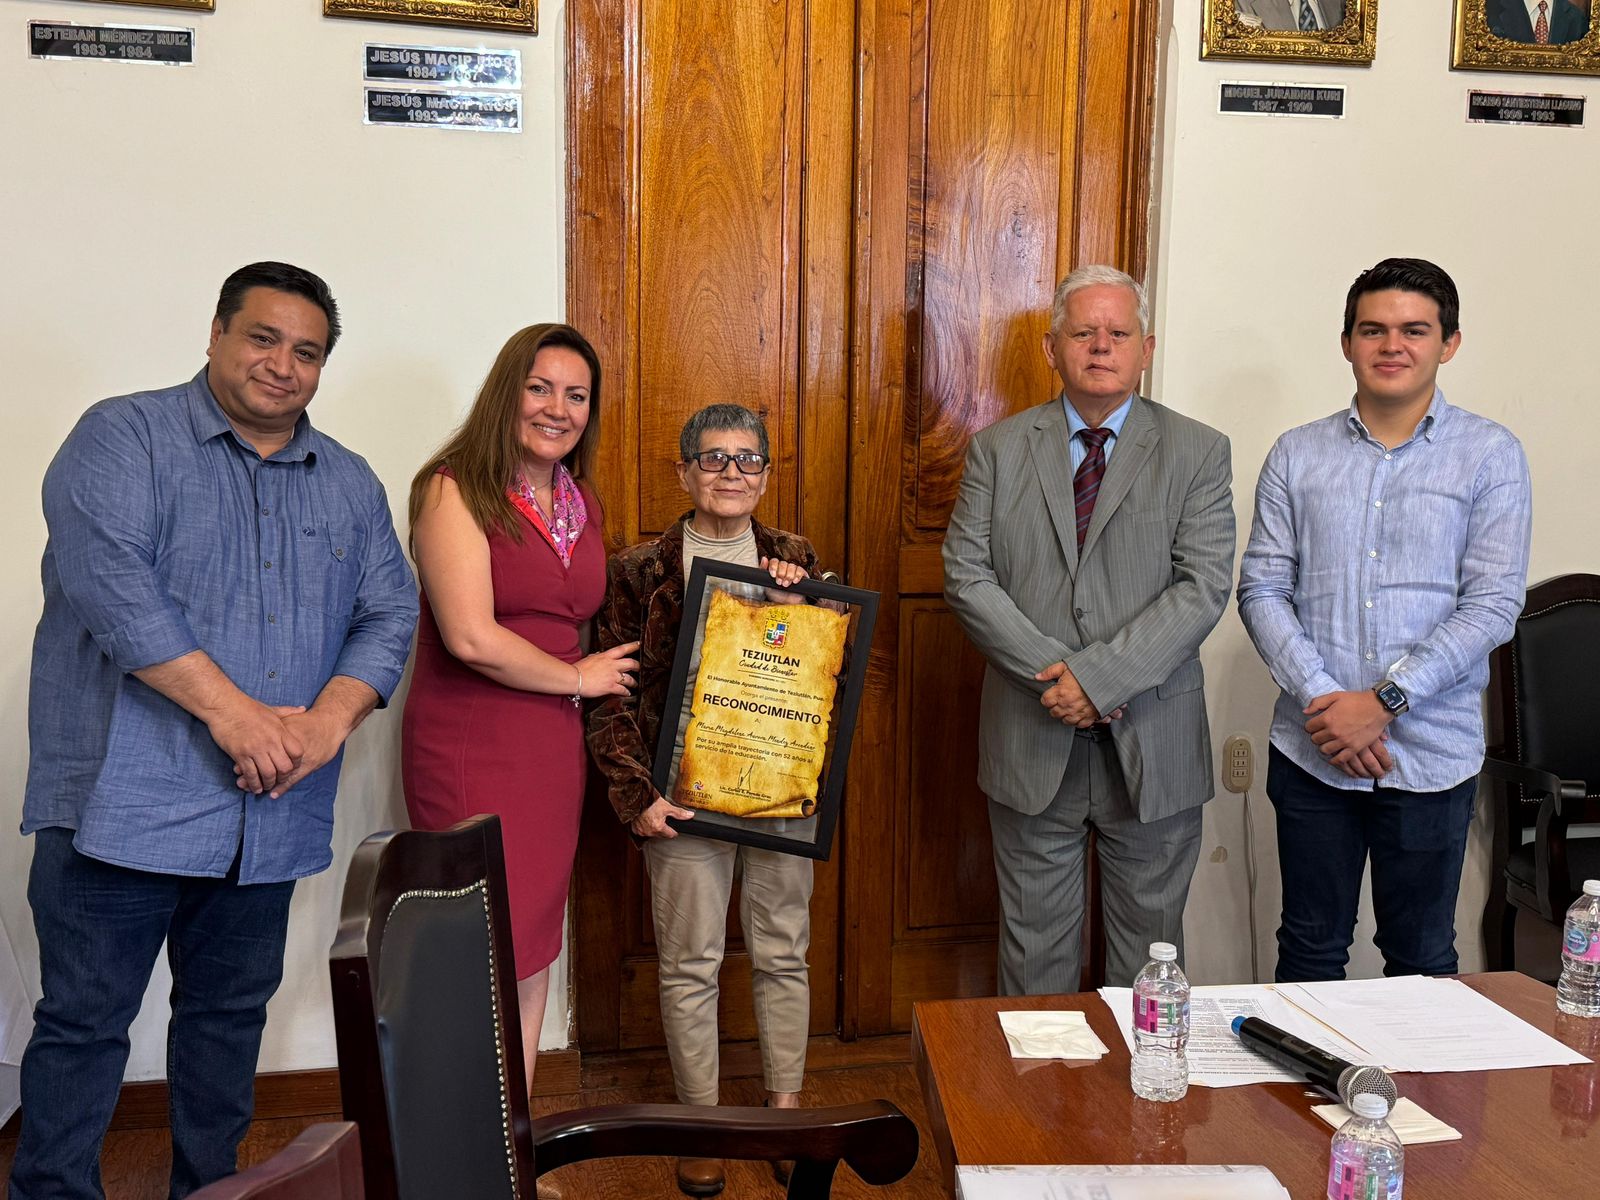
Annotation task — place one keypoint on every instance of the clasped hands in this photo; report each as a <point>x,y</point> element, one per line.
<point>275,747</point>
<point>1067,702</point>
<point>1350,729</point>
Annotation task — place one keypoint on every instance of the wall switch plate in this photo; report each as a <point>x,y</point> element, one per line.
<point>1238,763</point>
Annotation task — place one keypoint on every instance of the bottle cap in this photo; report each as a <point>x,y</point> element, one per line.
<point>1365,1104</point>
<point>1167,952</point>
<point>1591,887</point>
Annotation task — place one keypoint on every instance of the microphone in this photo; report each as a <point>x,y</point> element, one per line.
<point>1333,1075</point>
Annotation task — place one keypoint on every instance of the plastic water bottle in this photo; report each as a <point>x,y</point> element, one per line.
<point>1578,992</point>
<point>1368,1162</point>
<point>1161,1027</point>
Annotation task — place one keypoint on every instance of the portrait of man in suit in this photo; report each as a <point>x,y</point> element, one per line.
<point>1306,15</point>
<point>1537,22</point>
<point>1089,554</point>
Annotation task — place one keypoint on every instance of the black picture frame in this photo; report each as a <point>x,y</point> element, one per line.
<point>808,837</point>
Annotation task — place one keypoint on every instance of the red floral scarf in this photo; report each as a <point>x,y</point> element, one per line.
<point>568,513</point>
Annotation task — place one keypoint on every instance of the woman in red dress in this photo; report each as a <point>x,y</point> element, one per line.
<point>506,533</point>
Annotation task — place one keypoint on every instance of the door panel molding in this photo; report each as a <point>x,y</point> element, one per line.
<point>960,239</point>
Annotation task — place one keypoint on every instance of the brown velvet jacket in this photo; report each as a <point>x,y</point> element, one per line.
<point>644,603</point>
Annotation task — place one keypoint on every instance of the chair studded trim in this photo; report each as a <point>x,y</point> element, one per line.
<point>481,889</point>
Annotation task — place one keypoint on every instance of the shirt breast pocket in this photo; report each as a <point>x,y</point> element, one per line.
<point>330,569</point>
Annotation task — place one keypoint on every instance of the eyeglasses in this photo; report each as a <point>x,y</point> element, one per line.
<point>715,462</point>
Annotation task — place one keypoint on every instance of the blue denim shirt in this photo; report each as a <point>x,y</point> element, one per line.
<point>1411,564</point>
<point>169,533</point>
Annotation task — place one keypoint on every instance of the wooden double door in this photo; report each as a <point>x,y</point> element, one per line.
<point>849,215</point>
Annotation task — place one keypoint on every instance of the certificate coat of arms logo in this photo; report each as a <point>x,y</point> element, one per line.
<point>777,631</point>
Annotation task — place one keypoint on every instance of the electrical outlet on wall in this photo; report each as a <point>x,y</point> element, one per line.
<point>1238,763</point>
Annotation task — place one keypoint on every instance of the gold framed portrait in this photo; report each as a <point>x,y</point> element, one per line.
<point>193,5</point>
<point>518,16</point>
<point>1315,31</point>
<point>1556,37</point>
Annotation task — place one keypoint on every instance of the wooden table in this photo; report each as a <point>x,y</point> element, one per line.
<point>1525,1133</point>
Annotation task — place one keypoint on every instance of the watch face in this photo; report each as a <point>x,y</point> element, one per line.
<point>1390,696</point>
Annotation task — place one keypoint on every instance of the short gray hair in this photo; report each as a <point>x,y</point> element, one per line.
<point>1097,275</point>
<point>717,418</point>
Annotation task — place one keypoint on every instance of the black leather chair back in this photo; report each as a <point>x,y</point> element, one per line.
<point>425,1008</point>
<point>1555,659</point>
<point>445,1093</point>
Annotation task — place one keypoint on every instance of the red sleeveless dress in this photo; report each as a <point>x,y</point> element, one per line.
<point>471,745</point>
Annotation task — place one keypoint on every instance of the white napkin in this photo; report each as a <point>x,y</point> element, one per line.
<point>1412,1123</point>
<point>1035,1034</point>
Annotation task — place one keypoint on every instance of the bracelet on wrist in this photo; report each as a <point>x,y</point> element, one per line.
<point>577,692</point>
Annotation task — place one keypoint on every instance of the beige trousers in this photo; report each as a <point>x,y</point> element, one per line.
<point>691,884</point>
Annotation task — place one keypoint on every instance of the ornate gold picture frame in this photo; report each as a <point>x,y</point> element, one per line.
<point>1269,31</point>
<point>1498,35</point>
<point>519,16</point>
<point>193,5</point>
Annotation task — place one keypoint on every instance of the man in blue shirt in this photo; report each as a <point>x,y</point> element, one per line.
<point>224,602</point>
<point>1388,556</point>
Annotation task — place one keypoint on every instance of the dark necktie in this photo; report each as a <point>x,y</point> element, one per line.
<point>1086,482</point>
<point>1541,29</point>
<point>1307,20</point>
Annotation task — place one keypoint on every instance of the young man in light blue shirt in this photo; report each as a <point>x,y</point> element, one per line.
<point>1388,557</point>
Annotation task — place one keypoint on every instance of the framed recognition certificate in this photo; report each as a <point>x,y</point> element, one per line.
<point>761,708</point>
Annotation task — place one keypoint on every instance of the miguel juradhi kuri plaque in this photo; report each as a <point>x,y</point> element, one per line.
<point>761,709</point>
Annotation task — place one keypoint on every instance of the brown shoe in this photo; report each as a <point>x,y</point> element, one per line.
<point>700,1176</point>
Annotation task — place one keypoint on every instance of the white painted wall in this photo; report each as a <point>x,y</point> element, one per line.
<point>1262,225</point>
<point>128,193</point>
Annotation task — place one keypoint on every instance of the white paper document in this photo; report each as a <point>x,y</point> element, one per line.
<point>1415,1023</point>
<point>1217,1058</point>
<point>1118,1183</point>
<point>1410,1023</point>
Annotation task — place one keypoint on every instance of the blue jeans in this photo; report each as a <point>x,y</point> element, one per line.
<point>1416,840</point>
<point>100,928</point>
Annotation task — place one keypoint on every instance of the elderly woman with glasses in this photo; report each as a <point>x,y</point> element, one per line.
<point>724,469</point>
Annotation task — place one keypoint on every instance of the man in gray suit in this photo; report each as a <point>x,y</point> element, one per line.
<point>1089,555</point>
<point>1307,15</point>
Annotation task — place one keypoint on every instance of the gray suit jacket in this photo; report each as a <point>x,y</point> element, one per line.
<point>1128,618</point>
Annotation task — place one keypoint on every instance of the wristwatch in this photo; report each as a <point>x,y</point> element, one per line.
<point>1391,697</point>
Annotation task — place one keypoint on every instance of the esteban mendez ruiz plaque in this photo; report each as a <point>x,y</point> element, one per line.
<point>160,44</point>
<point>760,712</point>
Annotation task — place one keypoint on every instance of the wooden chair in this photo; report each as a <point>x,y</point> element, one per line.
<point>1543,763</point>
<point>323,1163</point>
<point>430,1049</point>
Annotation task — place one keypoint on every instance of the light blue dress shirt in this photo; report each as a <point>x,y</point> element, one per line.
<point>169,533</point>
<point>1075,422</point>
<point>1366,563</point>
